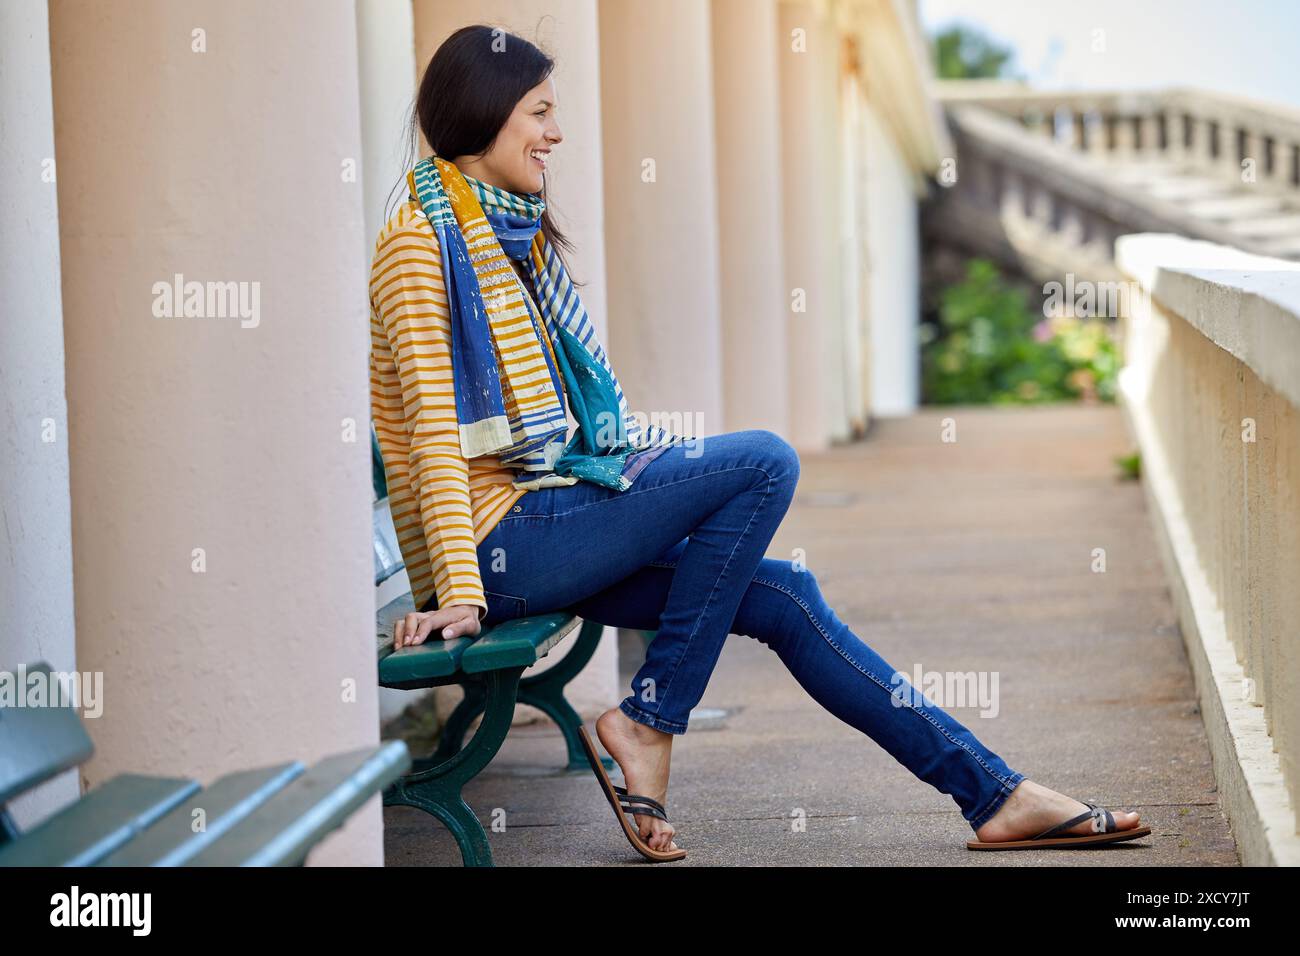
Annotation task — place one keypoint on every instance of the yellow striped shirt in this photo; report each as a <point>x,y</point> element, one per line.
<point>443,505</point>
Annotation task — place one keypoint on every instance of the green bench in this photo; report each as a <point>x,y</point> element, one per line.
<point>489,667</point>
<point>270,816</point>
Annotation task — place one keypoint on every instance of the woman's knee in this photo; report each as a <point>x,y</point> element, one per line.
<point>780,599</point>
<point>779,455</point>
<point>793,579</point>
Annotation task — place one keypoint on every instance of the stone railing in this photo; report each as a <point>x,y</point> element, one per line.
<point>1041,206</point>
<point>1045,182</point>
<point>1211,392</point>
<point>1208,131</point>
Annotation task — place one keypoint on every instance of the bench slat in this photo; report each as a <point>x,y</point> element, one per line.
<point>517,643</point>
<point>172,840</point>
<point>418,665</point>
<point>100,822</point>
<point>284,829</point>
<point>37,743</point>
<point>425,662</point>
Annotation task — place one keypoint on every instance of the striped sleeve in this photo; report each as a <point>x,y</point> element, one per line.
<point>414,408</point>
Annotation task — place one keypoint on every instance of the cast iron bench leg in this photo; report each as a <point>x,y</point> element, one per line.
<point>545,691</point>
<point>437,790</point>
<point>458,724</point>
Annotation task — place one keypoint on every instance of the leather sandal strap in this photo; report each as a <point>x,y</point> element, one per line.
<point>648,811</point>
<point>637,798</point>
<point>1093,812</point>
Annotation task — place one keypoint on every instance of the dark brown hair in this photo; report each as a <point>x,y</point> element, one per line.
<point>469,89</point>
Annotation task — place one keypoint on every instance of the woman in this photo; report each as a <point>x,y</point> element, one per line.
<point>472,366</point>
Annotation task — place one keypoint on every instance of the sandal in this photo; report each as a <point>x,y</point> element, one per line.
<point>1103,825</point>
<point>626,804</point>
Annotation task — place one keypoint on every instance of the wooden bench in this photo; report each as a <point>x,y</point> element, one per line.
<point>489,667</point>
<point>270,816</point>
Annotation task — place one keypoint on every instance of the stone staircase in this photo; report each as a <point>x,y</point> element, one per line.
<point>1045,182</point>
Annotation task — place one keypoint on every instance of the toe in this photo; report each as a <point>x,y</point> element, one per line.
<point>663,837</point>
<point>648,834</point>
<point>1124,820</point>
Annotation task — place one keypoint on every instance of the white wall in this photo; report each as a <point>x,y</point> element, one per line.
<point>386,68</point>
<point>894,277</point>
<point>386,65</point>
<point>36,615</point>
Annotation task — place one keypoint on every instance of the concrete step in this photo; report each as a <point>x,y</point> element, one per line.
<point>1188,188</point>
<point>1235,206</point>
<point>1140,170</point>
<point>1271,227</point>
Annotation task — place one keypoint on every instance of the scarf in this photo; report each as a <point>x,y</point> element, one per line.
<point>516,409</point>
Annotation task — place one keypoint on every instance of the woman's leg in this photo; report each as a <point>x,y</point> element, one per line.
<point>606,552</point>
<point>728,493</point>
<point>562,544</point>
<point>783,607</point>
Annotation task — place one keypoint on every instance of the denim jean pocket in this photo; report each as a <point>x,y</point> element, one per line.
<point>503,607</point>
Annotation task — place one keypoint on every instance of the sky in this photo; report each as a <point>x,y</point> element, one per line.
<point>1246,47</point>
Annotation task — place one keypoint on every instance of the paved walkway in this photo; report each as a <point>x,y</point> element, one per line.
<point>966,556</point>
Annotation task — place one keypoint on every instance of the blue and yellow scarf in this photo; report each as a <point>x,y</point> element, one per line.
<point>510,408</point>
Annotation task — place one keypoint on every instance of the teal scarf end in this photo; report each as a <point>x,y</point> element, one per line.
<point>599,449</point>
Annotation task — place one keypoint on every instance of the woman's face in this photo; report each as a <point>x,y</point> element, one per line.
<point>522,149</point>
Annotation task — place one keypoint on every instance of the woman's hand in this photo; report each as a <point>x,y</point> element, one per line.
<point>456,620</point>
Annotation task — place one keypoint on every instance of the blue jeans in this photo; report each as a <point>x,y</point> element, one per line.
<point>681,553</point>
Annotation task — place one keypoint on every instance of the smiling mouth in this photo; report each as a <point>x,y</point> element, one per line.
<point>539,158</point>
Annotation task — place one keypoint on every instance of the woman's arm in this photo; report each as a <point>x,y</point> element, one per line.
<point>416,420</point>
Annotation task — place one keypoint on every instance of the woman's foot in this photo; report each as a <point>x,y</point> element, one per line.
<point>1033,808</point>
<point>643,754</point>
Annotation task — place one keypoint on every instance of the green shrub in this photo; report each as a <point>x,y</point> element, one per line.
<point>1130,466</point>
<point>992,346</point>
